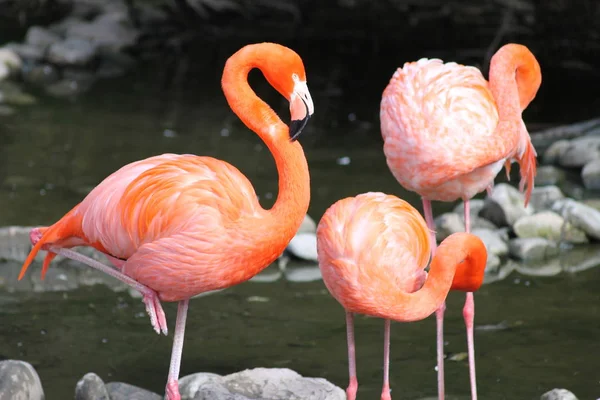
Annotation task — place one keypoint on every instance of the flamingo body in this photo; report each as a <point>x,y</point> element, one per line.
<point>372,251</point>
<point>176,226</point>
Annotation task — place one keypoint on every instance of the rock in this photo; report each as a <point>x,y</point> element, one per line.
<point>304,246</point>
<point>41,37</point>
<point>10,63</point>
<point>543,197</point>
<point>68,88</point>
<point>494,242</point>
<point>558,394</point>
<point>41,75</point>
<point>19,381</point>
<point>91,387</point>
<point>308,225</point>
<point>580,151</point>
<point>475,205</point>
<point>109,32</point>
<point>11,93</point>
<point>591,175</point>
<point>532,249</point>
<point>125,391</point>
<point>505,206</point>
<point>449,223</point>
<point>551,267</point>
<point>27,52</point>
<point>580,216</point>
<point>57,280</point>
<point>548,225</point>
<point>303,274</point>
<point>72,51</point>
<point>492,264</point>
<point>258,383</point>
<point>555,151</point>
<point>61,28</point>
<point>549,175</point>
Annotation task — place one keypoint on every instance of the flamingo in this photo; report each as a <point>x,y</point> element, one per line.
<point>373,250</point>
<point>447,133</point>
<point>175,226</point>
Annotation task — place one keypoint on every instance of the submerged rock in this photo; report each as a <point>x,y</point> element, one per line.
<point>258,383</point>
<point>558,394</point>
<point>19,381</point>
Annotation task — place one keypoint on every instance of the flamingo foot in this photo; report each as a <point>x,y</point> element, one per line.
<point>173,390</point>
<point>155,312</point>
<point>385,393</point>
<point>352,389</point>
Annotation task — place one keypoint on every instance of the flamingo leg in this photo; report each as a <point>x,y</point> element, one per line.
<point>150,297</point>
<point>469,315</point>
<point>385,391</point>
<point>172,389</point>
<point>353,385</point>
<point>439,313</point>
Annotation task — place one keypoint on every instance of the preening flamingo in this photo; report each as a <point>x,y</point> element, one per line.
<point>179,225</point>
<point>447,132</point>
<point>373,250</point>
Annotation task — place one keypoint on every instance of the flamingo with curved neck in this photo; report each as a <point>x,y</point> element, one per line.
<point>373,250</point>
<point>447,133</point>
<point>175,226</point>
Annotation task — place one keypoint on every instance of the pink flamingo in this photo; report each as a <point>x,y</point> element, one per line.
<point>447,133</point>
<point>179,225</point>
<point>373,250</point>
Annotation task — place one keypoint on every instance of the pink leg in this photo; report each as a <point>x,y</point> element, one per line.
<point>150,297</point>
<point>469,315</point>
<point>439,313</point>
<point>353,385</point>
<point>173,380</point>
<point>385,391</point>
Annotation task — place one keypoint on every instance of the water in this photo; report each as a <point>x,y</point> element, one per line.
<point>55,152</point>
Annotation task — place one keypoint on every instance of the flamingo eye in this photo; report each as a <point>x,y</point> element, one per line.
<point>295,77</point>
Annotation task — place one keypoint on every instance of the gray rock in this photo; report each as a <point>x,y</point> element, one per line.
<point>308,225</point>
<point>109,32</point>
<point>492,264</point>
<point>68,88</point>
<point>558,394</point>
<point>591,175</point>
<point>532,249</point>
<point>57,279</point>
<point>61,28</point>
<point>505,206</point>
<point>475,205</point>
<point>27,52</point>
<point>549,175</point>
<point>493,240</point>
<point>543,197</point>
<point>41,75</point>
<point>304,246</point>
<point>555,151</point>
<point>72,51</point>
<point>15,244</point>
<point>550,267</point>
<point>125,391</point>
<point>91,387</point>
<point>10,63</point>
<point>19,381</point>
<point>548,225</point>
<point>580,151</point>
<point>41,37</point>
<point>449,223</point>
<point>258,383</point>
<point>580,216</point>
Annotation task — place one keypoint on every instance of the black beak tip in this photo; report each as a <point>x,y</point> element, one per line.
<point>297,126</point>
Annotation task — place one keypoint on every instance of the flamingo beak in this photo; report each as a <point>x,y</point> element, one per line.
<point>301,108</point>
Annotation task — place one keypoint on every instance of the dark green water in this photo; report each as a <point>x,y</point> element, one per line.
<point>52,153</point>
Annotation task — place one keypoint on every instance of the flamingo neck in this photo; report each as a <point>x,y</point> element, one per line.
<point>286,215</point>
<point>515,78</point>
